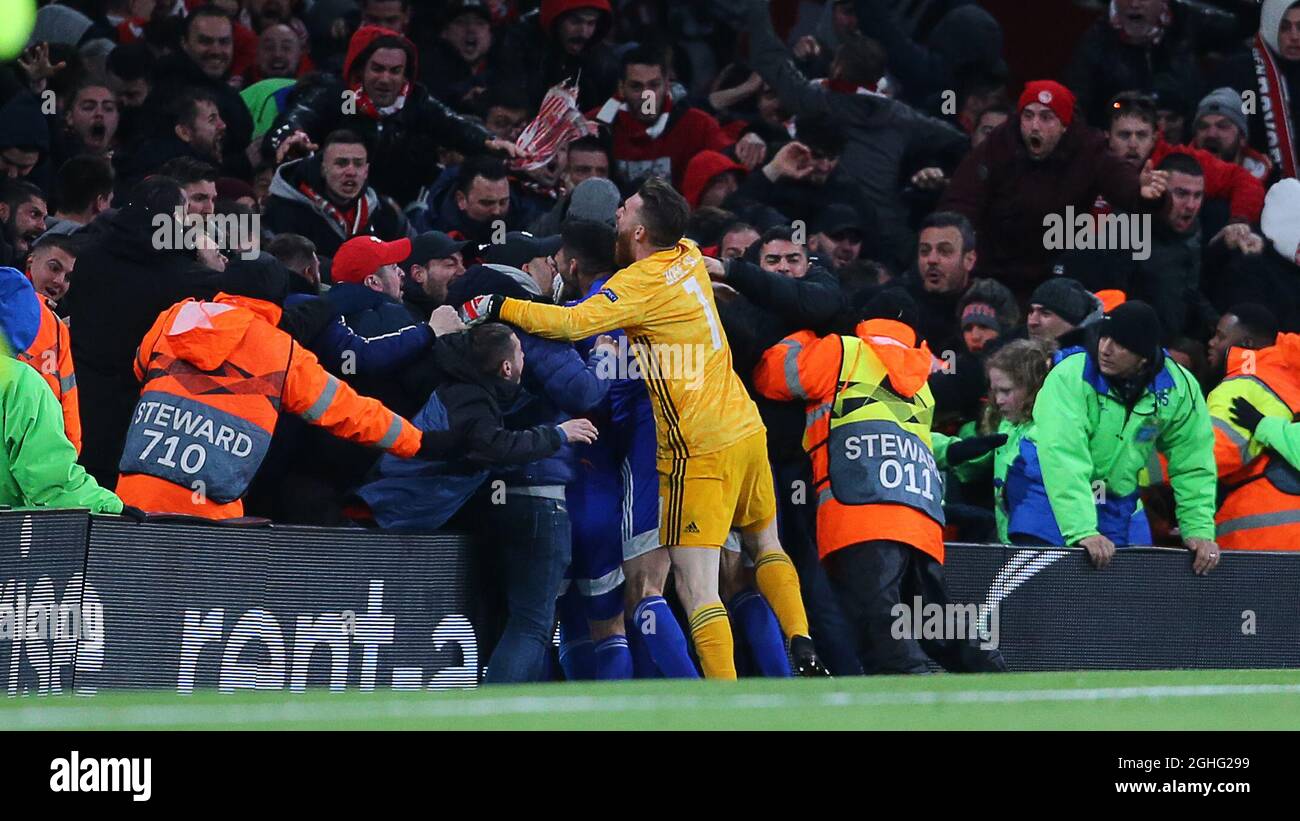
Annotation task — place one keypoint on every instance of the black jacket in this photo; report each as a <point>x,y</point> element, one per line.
<point>122,285</point>
<point>938,323</point>
<point>1103,66</point>
<point>1267,278</point>
<point>176,72</point>
<point>476,403</point>
<point>771,307</point>
<point>289,210</point>
<point>1169,280</point>
<point>403,147</point>
<point>804,201</point>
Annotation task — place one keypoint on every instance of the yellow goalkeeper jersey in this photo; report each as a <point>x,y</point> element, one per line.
<point>665,305</point>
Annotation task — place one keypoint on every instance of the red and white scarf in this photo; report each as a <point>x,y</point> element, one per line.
<point>559,122</point>
<point>367,106</point>
<point>1275,98</point>
<point>349,222</point>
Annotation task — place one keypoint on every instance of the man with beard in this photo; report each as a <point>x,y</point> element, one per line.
<point>91,119</point>
<point>1046,161</point>
<point>326,199</point>
<point>203,62</point>
<point>22,217</point>
<point>1169,276</point>
<point>1247,325</point>
<point>198,132</point>
<point>713,468</point>
<point>460,63</point>
<point>563,40</point>
<point>1271,69</point>
<point>1221,128</point>
<point>381,99</point>
<point>838,236</point>
<point>435,262</point>
<point>469,201</point>
<point>83,189</point>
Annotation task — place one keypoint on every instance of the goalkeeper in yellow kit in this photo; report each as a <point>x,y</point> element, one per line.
<point>712,446</point>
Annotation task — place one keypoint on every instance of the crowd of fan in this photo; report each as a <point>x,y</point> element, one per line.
<point>871,150</point>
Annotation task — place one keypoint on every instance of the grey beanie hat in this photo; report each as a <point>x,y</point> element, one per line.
<point>1066,298</point>
<point>595,200</point>
<point>1225,102</point>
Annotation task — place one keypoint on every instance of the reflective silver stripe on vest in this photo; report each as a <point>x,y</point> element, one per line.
<point>322,403</point>
<point>1259,382</point>
<point>67,383</point>
<point>1259,520</point>
<point>792,383</point>
<point>1240,442</point>
<point>394,431</point>
<point>816,414</point>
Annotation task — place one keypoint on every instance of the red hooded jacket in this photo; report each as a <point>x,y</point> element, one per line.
<point>702,170</point>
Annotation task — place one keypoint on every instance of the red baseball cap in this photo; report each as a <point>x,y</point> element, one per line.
<point>360,257</point>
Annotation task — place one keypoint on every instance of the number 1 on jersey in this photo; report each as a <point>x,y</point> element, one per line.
<point>692,286</point>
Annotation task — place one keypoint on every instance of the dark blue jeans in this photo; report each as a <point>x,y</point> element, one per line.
<point>532,536</point>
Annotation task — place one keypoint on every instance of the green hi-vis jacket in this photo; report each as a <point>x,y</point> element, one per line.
<point>38,465</point>
<point>1084,434</point>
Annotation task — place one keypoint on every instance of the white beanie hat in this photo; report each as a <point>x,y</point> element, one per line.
<point>1280,221</point>
<point>1270,21</point>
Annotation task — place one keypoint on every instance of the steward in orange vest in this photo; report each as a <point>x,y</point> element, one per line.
<point>216,376</point>
<point>879,490</point>
<point>1257,447</point>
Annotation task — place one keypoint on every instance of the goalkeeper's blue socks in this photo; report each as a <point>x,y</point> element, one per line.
<point>758,624</point>
<point>658,628</point>
<point>613,659</point>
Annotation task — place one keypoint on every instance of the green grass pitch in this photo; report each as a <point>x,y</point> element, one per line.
<point>1097,700</point>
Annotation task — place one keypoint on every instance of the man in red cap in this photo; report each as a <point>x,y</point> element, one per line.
<point>1040,164</point>
<point>380,335</point>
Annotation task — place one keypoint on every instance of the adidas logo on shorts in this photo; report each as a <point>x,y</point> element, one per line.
<point>691,528</point>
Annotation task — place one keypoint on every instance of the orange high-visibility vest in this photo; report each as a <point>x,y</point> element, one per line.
<point>51,355</point>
